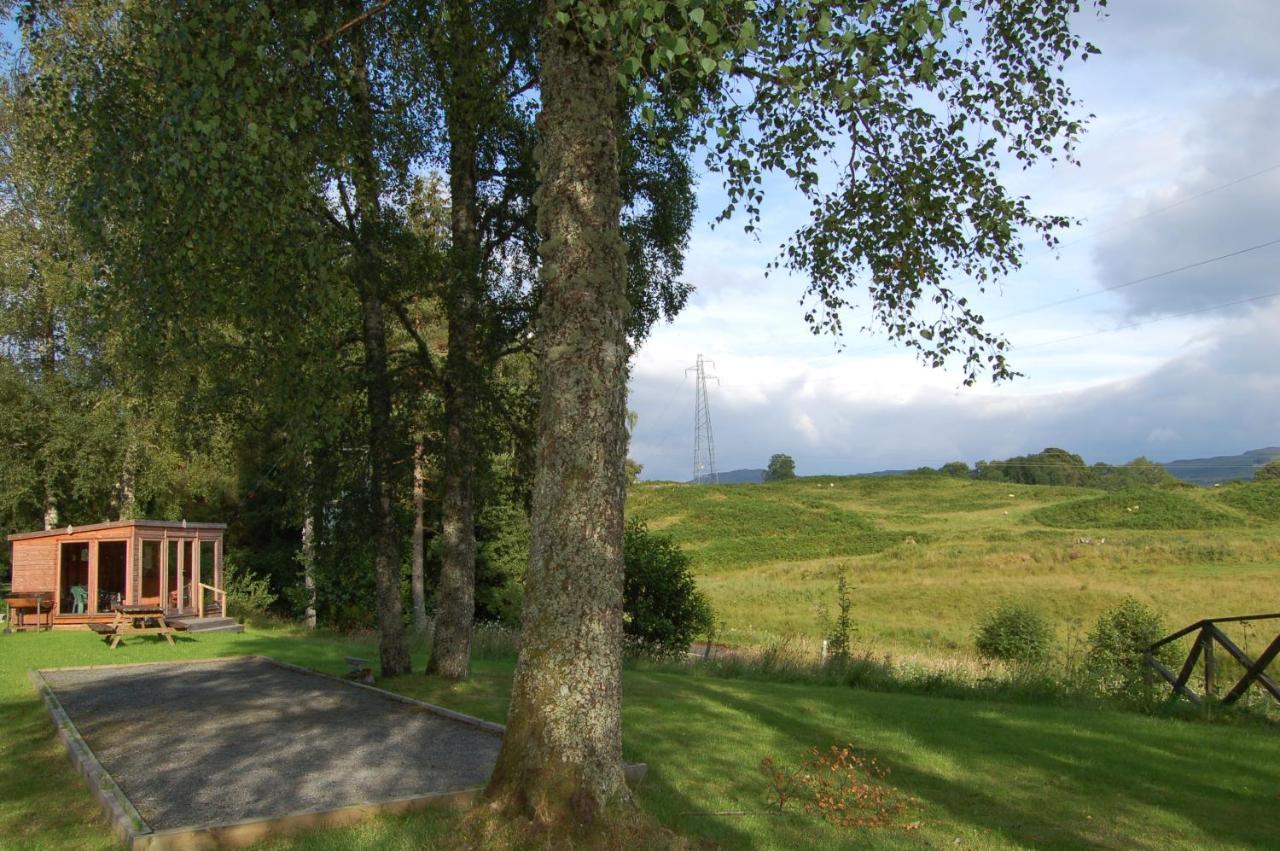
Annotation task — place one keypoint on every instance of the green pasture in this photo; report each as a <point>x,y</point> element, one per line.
<point>926,556</point>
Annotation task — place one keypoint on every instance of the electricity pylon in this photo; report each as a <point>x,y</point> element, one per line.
<point>704,444</point>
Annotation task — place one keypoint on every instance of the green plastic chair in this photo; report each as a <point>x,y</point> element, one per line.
<point>80,595</point>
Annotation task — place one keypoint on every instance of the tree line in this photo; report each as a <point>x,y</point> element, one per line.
<point>1053,466</point>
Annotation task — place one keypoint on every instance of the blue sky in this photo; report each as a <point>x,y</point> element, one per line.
<point>1187,100</point>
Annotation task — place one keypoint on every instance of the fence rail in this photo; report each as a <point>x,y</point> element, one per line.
<point>1203,647</point>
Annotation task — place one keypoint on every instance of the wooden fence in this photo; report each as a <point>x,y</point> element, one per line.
<point>1211,634</point>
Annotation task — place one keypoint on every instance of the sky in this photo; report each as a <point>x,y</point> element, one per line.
<point>1181,165</point>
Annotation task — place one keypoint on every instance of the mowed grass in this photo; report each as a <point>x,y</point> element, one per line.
<point>982,774</point>
<point>927,556</point>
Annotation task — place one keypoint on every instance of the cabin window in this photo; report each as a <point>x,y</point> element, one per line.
<point>74,565</point>
<point>151,572</point>
<point>112,573</point>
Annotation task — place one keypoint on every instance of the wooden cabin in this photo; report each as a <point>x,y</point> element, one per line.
<point>85,570</point>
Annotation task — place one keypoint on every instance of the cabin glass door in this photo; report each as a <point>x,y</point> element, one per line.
<point>113,574</point>
<point>188,565</point>
<point>73,584</point>
<point>151,573</point>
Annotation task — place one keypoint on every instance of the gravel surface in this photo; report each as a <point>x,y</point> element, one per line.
<point>221,742</point>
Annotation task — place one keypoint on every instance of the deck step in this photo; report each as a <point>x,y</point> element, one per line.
<point>208,624</point>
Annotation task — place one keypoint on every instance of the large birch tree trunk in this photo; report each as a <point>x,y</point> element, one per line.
<point>561,758</point>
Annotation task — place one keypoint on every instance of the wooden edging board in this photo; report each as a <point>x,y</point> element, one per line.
<point>137,835</point>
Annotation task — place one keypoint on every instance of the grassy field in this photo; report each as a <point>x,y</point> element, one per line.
<point>926,557</point>
<point>981,774</point>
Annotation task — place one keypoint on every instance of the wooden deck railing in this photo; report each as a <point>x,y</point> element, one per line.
<point>1210,633</point>
<point>219,597</point>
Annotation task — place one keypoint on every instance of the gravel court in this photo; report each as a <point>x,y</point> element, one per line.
<point>216,743</point>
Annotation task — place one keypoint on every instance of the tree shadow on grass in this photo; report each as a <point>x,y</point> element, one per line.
<point>1111,768</point>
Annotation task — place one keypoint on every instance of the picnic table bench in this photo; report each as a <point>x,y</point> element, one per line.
<point>136,620</point>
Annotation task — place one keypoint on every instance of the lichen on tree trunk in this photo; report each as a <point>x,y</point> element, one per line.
<point>561,758</point>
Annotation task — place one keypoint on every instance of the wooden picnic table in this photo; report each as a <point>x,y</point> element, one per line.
<point>135,620</point>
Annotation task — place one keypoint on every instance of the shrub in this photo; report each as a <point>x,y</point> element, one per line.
<point>1269,472</point>
<point>840,633</point>
<point>663,608</point>
<point>1014,633</point>
<point>248,595</point>
<point>1116,663</point>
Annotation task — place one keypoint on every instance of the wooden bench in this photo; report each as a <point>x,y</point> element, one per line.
<point>106,630</point>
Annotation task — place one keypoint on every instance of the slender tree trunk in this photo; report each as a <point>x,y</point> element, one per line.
<point>127,508</point>
<point>393,649</point>
<point>48,373</point>
<point>309,566</point>
<point>561,757</point>
<point>455,594</point>
<point>417,578</point>
<point>50,508</point>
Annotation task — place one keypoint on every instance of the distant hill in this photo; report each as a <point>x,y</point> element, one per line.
<point>1222,468</point>
<point>734,477</point>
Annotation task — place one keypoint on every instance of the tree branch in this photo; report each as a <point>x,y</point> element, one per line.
<point>424,351</point>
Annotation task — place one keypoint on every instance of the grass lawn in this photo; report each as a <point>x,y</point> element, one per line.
<point>985,774</point>
<point>926,557</point>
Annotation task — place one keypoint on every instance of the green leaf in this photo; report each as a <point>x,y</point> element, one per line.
<point>708,65</point>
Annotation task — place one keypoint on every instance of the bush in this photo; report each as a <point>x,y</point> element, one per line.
<point>248,595</point>
<point>1269,472</point>
<point>1014,633</point>
<point>663,608</point>
<point>1116,664</point>
<point>840,633</point>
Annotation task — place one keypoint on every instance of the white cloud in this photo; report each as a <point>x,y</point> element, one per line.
<point>1187,97</point>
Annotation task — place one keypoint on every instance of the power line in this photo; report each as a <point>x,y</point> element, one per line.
<point>1158,210</point>
<point>1152,321</point>
<point>1141,280</point>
